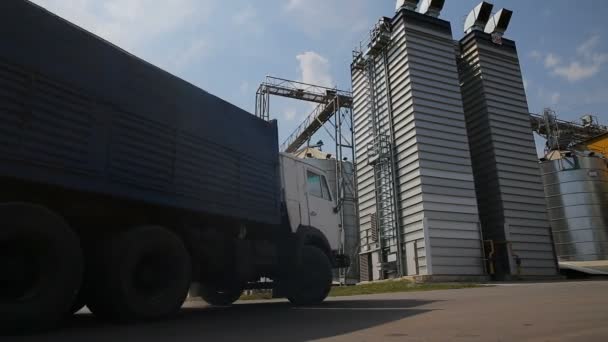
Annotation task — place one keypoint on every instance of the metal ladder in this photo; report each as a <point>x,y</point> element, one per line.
<point>380,153</point>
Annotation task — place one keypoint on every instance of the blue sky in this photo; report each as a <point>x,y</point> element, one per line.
<point>227,47</point>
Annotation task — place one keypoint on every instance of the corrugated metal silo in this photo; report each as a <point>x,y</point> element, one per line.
<point>508,182</point>
<point>577,199</point>
<point>417,202</point>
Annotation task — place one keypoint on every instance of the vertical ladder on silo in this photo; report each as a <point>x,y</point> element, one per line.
<point>380,152</point>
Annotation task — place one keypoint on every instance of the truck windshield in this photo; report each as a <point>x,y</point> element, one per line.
<point>317,186</point>
<point>314,184</point>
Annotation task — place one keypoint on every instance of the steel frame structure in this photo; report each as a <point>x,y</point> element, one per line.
<point>562,134</point>
<point>334,109</point>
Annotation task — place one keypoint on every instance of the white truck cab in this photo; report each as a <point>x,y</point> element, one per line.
<point>309,199</point>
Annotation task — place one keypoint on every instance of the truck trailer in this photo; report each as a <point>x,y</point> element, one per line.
<point>122,185</point>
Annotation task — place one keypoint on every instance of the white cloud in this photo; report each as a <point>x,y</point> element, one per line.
<point>290,114</point>
<point>319,18</point>
<point>195,51</point>
<point>314,69</point>
<point>130,24</point>
<point>551,60</point>
<point>548,97</point>
<point>294,4</point>
<point>575,71</point>
<point>537,55</point>
<point>248,20</point>
<point>587,62</point>
<point>586,48</point>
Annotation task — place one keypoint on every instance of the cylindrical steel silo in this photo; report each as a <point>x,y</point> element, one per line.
<point>576,186</point>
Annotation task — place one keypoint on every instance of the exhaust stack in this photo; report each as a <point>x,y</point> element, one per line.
<point>478,18</point>
<point>499,22</point>
<point>410,5</point>
<point>431,7</point>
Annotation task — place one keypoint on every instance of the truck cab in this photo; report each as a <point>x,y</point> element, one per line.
<point>309,200</point>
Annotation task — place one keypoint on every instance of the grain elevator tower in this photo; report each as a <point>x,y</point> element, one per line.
<point>507,177</point>
<point>417,202</point>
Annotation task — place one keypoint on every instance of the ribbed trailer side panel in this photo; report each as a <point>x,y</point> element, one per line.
<point>97,119</point>
<point>509,187</point>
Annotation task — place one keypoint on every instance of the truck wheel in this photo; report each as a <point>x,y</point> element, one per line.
<point>312,277</point>
<point>141,274</point>
<point>41,267</point>
<point>215,293</point>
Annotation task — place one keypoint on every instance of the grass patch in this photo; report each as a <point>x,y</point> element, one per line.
<point>395,286</point>
<point>257,296</point>
<point>380,287</point>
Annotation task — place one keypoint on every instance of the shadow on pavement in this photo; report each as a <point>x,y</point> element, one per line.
<point>244,322</point>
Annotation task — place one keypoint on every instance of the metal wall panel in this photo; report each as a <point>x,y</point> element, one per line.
<point>508,183</point>
<point>577,198</point>
<point>437,205</point>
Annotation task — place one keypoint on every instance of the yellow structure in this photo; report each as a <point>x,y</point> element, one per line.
<point>598,144</point>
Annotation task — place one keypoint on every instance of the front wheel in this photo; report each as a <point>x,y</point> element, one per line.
<point>311,278</point>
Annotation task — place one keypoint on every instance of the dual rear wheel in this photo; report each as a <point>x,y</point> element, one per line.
<point>41,267</point>
<point>141,274</point>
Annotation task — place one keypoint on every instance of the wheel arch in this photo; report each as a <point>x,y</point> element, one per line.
<point>311,236</point>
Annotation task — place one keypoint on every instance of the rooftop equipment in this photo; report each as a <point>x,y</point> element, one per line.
<point>407,4</point>
<point>499,22</point>
<point>478,17</point>
<point>431,7</point>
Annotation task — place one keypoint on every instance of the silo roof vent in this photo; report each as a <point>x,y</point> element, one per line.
<point>431,7</point>
<point>407,4</point>
<point>499,22</point>
<point>478,18</point>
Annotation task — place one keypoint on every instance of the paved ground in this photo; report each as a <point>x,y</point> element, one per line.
<point>570,311</point>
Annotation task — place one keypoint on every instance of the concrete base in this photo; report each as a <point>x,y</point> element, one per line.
<point>512,277</point>
<point>597,267</point>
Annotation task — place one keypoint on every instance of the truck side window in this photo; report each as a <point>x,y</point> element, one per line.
<point>314,184</point>
<point>326,193</point>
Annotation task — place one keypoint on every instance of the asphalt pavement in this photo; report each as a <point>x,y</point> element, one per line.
<point>564,311</point>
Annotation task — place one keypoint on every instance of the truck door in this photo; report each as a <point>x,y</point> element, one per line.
<point>321,206</point>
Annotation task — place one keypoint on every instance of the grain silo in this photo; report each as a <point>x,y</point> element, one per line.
<point>417,203</point>
<point>508,182</point>
<point>576,185</point>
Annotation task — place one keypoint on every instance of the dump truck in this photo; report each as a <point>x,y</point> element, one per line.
<point>124,188</point>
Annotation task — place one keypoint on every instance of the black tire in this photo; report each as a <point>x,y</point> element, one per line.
<point>141,274</point>
<point>311,278</point>
<point>42,267</point>
<point>217,294</point>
